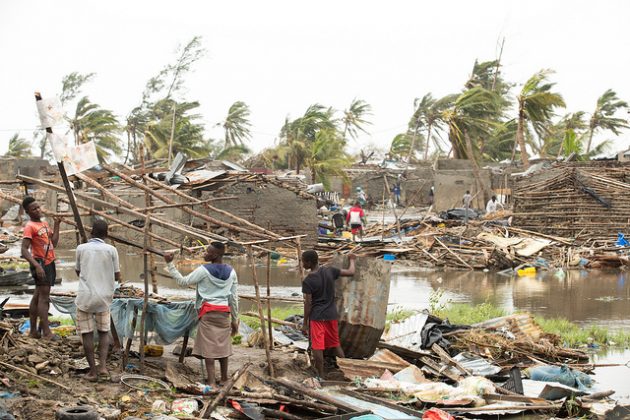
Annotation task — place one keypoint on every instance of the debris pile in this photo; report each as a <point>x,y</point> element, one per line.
<point>481,244</point>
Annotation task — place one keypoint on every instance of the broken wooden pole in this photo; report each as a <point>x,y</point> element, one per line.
<point>261,315</point>
<point>298,250</point>
<point>209,207</point>
<point>67,187</point>
<point>145,301</point>
<point>147,204</point>
<point>190,211</point>
<point>176,227</point>
<point>208,409</point>
<point>268,278</point>
<point>313,393</point>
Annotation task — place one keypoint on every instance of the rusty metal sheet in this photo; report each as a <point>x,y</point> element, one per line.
<point>521,325</point>
<point>362,306</point>
<point>388,356</point>
<point>201,176</point>
<point>366,368</point>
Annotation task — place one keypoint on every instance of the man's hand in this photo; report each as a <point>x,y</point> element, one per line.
<point>168,257</point>
<point>39,271</point>
<point>352,257</point>
<point>304,329</point>
<point>57,219</point>
<point>234,327</point>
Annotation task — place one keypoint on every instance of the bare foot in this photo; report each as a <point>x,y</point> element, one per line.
<point>34,335</point>
<point>92,377</point>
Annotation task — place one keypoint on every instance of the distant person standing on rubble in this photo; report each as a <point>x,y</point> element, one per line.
<point>320,310</point>
<point>356,220</point>
<point>38,248</point>
<point>492,205</point>
<point>98,269</point>
<point>467,200</point>
<point>217,303</point>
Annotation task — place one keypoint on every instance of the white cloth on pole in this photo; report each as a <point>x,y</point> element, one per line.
<point>50,112</point>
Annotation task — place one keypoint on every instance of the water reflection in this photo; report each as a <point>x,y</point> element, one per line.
<point>595,297</point>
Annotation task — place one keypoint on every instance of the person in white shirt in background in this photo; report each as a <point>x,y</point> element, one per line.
<point>491,207</point>
<point>98,269</point>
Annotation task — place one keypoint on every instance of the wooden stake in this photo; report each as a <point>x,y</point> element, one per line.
<point>268,273</point>
<point>26,372</point>
<point>298,246</point>
<point>145,303</point>
<point>147,204</point>
<point>68,188</point>
<point>393,208</point>
<point>208,409</point>
<point>261,315</point>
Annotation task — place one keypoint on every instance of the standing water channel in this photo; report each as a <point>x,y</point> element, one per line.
<point>583,297</point>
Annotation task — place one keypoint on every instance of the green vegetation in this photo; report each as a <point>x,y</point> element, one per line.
<point>18,147</point>
<point>572,335</point>
<point>461,313</point>
<point>277,312</point>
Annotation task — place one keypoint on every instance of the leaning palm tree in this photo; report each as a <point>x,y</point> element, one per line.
<point>354,118</point>
<point>474,114</point>
<point>18,147</point>
<point>236,125</point>
<point>298,135</point>
<point>603,117</point>
<point>428,114</point>
<point>91,122</point>
<point>326,156</point>
<point>536,105</point>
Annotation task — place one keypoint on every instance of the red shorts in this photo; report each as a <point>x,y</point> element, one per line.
<point>324,335</point>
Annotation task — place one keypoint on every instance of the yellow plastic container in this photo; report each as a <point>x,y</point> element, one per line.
<point>528,271</point>
<point>151,350</point>
<point>346,235</point>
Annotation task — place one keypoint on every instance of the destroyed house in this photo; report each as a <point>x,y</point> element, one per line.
<point>576,198</point>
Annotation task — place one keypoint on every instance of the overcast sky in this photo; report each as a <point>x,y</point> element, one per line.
<point>281,56</point>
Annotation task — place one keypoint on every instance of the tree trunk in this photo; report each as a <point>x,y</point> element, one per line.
<point>426,147</point>
<point>475,167</point>
<point>520,136</point>
<point>590,139</point>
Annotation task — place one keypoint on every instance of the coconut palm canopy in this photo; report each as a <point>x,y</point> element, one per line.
<point>485,120</point>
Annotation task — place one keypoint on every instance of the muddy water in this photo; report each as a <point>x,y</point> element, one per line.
<point>595,297</point>
<point>600,297</point>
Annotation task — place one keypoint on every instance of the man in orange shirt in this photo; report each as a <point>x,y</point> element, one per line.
<point>38,249</point>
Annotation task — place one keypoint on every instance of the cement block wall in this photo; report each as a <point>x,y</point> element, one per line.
<point>271,207</point>
<point>451,185</point>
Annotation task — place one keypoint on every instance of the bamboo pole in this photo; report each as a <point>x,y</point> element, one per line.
<point>111,218</point>
<point>250,253</point>
<point>298,246</point>
<point>190,211</point>
<point>268,275</point>
<point>67,188</point>
<point>217,210</point>
<point>147,204</point>
<point>145,302</point>
<point>111,236</point>
<point>158,221</point>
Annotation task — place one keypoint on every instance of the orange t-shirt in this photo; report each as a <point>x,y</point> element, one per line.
<point>40,235</point>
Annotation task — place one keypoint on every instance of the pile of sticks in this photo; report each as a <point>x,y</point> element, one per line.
<point>582,201</point>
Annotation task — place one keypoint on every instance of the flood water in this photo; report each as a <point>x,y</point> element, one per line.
<point>587,298</point>
<point>584,297</point>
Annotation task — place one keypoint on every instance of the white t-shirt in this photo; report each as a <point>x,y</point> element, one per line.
<point>96,262</point>
<point>491,207</point>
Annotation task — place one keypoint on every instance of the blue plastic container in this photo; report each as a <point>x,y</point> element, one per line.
<point>389,257</point>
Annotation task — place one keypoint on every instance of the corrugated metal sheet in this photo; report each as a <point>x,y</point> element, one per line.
<point>387,356</point>
<point>364,369</point>
<point>475,364</point>
<point>362,305</point>
<point>407,333</point>
<point>201,176</point>
<point>386,413</point>
<point>521,325</point>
